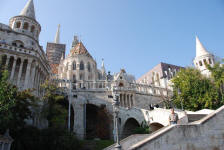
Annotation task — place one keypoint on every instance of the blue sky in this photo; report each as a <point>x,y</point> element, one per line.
<point>131,34</point>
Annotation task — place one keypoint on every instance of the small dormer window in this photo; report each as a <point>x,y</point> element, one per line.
<point>120,77</point>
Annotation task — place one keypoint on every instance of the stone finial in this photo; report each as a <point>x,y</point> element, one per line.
<point>28,10</point>
<point>57,36</point>
<point>200,49</point>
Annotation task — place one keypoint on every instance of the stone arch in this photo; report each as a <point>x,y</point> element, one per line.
<point>3,59</point>
<point>18,43</point>
<point>97,122</point>
<point>18,63</point>
<point>81,67</point>
<point>32,28</point>
<point>11,61</point>
<point>88,67</point>
<point>155,126</point>
<point>129,127</point>
<point>25,25</point>
<point>18,24</point>
<point>74,65</point>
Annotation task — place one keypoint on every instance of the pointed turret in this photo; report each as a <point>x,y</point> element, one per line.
<point>75,41</point>
<point>57,36</point>
<point>103,70</point>
<point>28,10</point>
<point>200,49</point>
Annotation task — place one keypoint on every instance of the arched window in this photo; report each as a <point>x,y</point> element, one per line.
<point>89,67</point>
<point>209,60</point>
<point>81,65</point>
<point>204,60</point>
<point>18,43</point>
<point>26,26</point>
<point>200,63</point>
<point>18,24</point>
<point>74,65</point>
<point>32,28</point>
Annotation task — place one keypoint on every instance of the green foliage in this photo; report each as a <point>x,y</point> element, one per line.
<point>143,129</point>
<point>55,105</point>
<point>196,91</point>
<point>31,138</point>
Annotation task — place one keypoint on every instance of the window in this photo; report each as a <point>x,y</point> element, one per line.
<point>209,60</point>
<point>32,28</point>
<point>204,60</point>
<point>89,68</point>
<point>18,24</point>
<point>74,65</point>
<point>26,26</point>
<point>200,63</point>
<point>81,65</point>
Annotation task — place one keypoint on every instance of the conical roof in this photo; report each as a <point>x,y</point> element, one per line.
<point>28,10</point>
<point>79,49</point>
<point>200,49</point>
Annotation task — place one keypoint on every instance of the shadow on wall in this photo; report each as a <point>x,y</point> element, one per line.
<point>129,127</point>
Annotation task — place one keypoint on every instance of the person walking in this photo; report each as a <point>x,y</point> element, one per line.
<point>173,117</point>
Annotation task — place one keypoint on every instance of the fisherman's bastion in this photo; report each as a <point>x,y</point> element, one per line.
<point>90,89</point>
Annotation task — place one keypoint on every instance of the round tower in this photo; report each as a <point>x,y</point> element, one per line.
<point>202,58</point>
<point>25,22</point>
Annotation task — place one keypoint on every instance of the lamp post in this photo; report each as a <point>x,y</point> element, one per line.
<point>116,111</point>
<point>69,104</point>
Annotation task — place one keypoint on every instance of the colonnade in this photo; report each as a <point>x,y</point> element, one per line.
<point>126,100</point>
<point>24,72</point>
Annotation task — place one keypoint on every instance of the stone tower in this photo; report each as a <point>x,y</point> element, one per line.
<point>202,58</point>
<point>55,51</point>
<point>25,22</point>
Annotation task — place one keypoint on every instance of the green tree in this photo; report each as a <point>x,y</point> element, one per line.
<point>55,105</point>
<point>217,76</point>
<point>194,91</point>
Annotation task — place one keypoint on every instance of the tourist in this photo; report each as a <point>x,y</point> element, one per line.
<point>173,117</point>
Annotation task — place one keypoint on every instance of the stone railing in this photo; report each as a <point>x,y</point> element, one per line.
<point>5,141</point>
<point>24,50</point>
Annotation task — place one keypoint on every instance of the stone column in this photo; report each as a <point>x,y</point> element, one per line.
<point>79,119</point>
<point>27,76</point>
<point>32,76</point>
<point>13,68</point>
<point>20,72</point>
<point>7,61</point>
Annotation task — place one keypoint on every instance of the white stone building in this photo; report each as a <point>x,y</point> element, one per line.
<point>202,58</point>
<point>21,52</point>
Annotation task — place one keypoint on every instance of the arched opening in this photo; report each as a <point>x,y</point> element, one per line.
<point>74,65</point>
<point>25,26</point>
<point>18,63</point>
<point>32,28</point>
<point>88,66</point>
<point>97,122</point>
<point>129,127</point>
<point>18,43</point>
<point>155,126</point>
<point>3,60</point>
<point>81,65</point>
<point>18,24</point>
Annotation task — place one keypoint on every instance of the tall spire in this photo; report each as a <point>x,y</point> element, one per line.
<point>57,36</point>
<point>200,49</point>
<point>103,67</point>
<point>28,10</point>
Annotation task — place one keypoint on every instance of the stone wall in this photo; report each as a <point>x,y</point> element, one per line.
<point>205,134</point>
